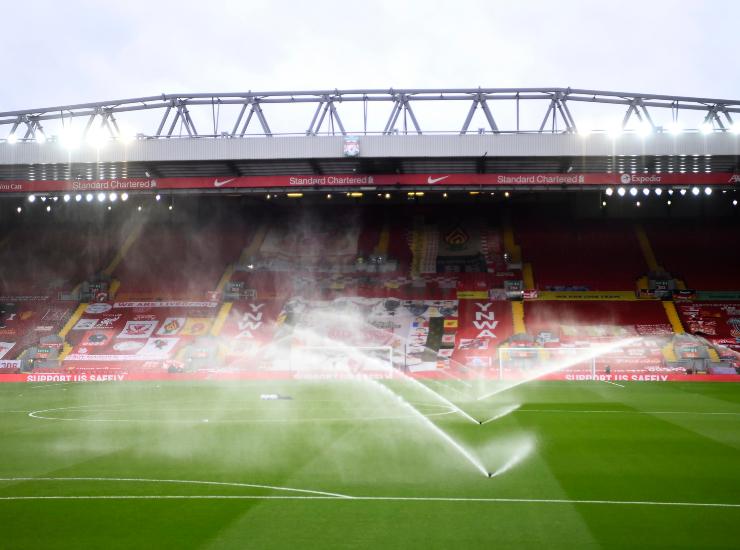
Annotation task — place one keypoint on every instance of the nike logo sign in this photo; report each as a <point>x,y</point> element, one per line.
<point>217,183</point>
<point>431,180</point>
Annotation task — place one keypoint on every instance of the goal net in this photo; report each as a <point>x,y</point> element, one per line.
<point>516,363</point>
<point>342,362</point>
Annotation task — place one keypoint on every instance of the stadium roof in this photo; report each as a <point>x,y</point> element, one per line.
<point>478,131</point>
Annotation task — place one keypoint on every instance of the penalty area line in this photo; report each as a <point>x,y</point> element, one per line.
<point>379,498</point>
<point>612,383</point>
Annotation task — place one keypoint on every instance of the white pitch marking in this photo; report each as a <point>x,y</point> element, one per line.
<point>502,413</point>
<point>39,416</point>
<point>613,383</point>
<point>625,412</point>
<point>181,481</point>
<point>379,498</point>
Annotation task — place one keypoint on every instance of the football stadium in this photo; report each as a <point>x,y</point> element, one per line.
<point>375,318</point>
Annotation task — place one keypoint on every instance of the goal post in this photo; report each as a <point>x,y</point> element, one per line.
<point>535,362</point>
<point>342,361</point>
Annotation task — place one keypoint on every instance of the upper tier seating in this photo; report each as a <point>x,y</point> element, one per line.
<point>595,254</point>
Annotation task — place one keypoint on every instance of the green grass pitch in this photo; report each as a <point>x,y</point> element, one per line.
<point>359,464</point>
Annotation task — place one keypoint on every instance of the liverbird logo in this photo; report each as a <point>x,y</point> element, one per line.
<point>735,178</point>
<point>457,237</point>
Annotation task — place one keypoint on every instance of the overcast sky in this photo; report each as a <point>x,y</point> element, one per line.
<point>61,52</point>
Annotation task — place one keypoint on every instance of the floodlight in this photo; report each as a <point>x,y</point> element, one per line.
<point>675,128</point>
<point>659,191</point>
<point>12,138</point>
<point>695,191</point>
<point>707,190</point>
<point>89,197</point>
<point>734,202</point>
<point>645,129</point>
<point>683,192</point>
<point>158,196</point>
<point>113,197</point>
<point>48,208</point>
<point>78,197</point>
<point>646,191</point>
<point>633,191</point>
<point>31,198</point>
<point>124,197</point>
<point>19,209</point>
<point>621,191</point>
<point>40,138</point>
<point>609,191</point>
<point>66,198</point>
<point>70,137</point>
<point>706,128</point>
<point>101,197</point>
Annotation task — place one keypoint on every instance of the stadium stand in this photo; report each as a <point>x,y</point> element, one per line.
<point>214,288</point>
<point>700,253</point>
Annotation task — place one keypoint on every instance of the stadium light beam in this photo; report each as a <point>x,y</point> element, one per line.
<point>40,138</point>
<point>12,138</point>
<point>675,128</point>
<point>645,129</point>
<point>706,129</point>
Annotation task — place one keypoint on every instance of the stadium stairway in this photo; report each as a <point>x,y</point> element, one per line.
<point>381,249</point>
<point>72,321</point>
<point>646,249</point>
<point>517,317</point>
<point>673,318</point>
<point>669,353</point>
<point>125,247</point>
<point>249,251</point>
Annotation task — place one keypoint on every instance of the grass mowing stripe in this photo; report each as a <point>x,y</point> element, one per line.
<point>626,412</point>
<point>380,498</point>
<point>182,481</point>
